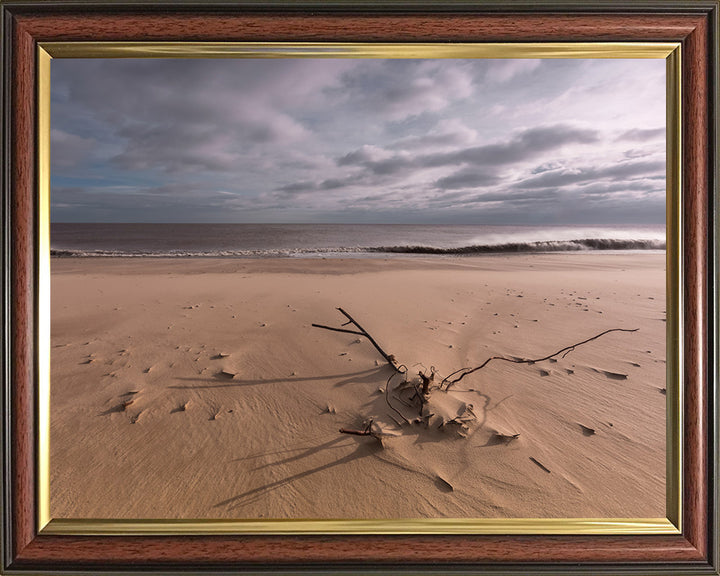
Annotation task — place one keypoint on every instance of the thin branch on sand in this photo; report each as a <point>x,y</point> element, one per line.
<point>449,380</point>
<point>367,431</point>
<point>362,332</point>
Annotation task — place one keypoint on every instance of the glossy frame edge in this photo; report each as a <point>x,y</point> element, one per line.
<point>675,317</point>
<point>358,50</point>
<point>532,526</point>
<point>43,288</point>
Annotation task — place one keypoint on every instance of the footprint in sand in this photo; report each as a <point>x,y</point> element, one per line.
<point>121,407</point>
<point>180,408</point>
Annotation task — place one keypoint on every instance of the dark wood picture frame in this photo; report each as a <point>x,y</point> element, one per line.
<point>693,23</point>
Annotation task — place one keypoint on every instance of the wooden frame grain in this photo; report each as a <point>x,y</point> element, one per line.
<point>693,23</point>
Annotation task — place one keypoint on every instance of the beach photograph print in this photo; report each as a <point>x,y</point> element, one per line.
<point>359,289</point>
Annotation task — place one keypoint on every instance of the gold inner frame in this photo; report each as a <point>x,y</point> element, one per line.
<point>671,52</point>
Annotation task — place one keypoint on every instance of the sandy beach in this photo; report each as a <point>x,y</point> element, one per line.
<point>197,388</point>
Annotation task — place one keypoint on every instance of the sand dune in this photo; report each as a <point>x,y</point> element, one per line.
<point>199,389</point>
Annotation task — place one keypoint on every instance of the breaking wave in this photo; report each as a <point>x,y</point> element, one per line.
<point>586,244</point>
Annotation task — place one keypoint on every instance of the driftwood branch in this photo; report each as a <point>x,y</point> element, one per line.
<point>424,386</point>
<point>362,332</point>
<point>387,395</point>
<point>426,381</point>
<point>356,432</point>
<point>367,431</point>
<point>449,380</point>
<point>339,329</point>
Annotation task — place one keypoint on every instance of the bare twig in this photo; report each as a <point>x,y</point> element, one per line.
<point>339,329</point>
<point>362,332</point>
<point>449,381</point>
<point>367,431</point>
<point>426,382</point>
<point>387,399</point>
<point>356,432</point>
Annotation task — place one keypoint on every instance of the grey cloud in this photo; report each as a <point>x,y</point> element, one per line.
<point>546,167</point>
<point>68,150</point>
<point>149,204</point>
<point>589,173</point>
<point>447,134</point>
<point>182,115</point>
<point>513,198</point>
<point>298,187</point>
<point>634,153</point>
<point>527,144</point>
<point>467,178</point>
<point>504,70</point>
<point>364,157</point>
<point>335,183</point>
<point>356,157</point>
<point>604,188</point>
<point>398,89</point>
<point>310,186</point>
<point>642,135</point>
<point>449,199</point>
<point>549,137</point>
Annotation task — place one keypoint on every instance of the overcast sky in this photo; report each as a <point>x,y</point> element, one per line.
<point>348,140</point>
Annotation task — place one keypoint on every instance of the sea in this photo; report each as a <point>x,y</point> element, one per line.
<point>340,240</point>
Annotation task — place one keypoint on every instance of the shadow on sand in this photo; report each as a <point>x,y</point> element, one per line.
<point>362,450</point>
<point>221,381</point>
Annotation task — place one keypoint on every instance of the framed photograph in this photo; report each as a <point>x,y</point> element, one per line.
<point>350,287</point>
